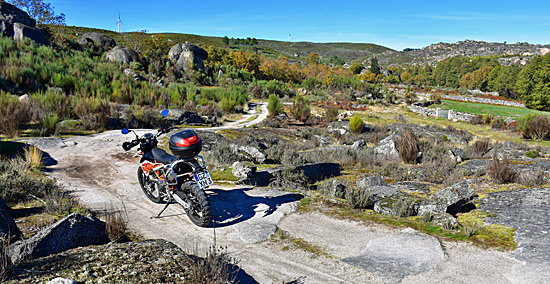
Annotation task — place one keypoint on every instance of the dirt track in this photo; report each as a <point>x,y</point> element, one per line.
<point>102,175</point>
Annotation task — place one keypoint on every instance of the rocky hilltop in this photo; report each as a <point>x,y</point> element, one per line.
<point>516,53</point>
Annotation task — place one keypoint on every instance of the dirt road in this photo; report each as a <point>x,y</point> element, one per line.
<point>103,176</point>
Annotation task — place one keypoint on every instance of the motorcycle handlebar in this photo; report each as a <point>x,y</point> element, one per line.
<point>129,145</point>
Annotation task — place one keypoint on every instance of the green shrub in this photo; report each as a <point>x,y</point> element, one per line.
<point>332,113</point>
<point>532,154</point>
<point>356,123</point>
<point>301,108</point>
<point>274,105</point>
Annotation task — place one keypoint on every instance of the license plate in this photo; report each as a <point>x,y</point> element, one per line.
<point>204,179</point>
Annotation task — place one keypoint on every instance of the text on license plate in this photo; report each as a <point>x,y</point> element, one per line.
<point>204,179</point>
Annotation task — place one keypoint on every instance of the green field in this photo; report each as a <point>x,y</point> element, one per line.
<point>477,108</point>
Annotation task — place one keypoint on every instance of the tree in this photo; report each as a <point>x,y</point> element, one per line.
<point>225,40</point>
<point>274,105</point>
<point>356,123</point>
<point>42,12</point>
<point>313,58</point>
<point>356,68</point>
<point>374,67</point>
<point>533,83</point>
<point>301,108</point>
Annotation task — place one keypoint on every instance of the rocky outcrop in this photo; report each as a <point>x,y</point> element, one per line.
<point>371,181</point>
<point>242,170</point>
<point>187,57</point>
<point>387,147</point>
<point>122,54</point>
<point>16,24</point>
<point>359,144</point>
<point>526,211</point>
<point>255,154</point>
<point>134,75</point>
<point>448,200</point>
<point>398,255</point>
<point>150,261</point>
<point>98,39</point>
<point>341,127</point>
<point>313,173</point>
<point>72,231</point>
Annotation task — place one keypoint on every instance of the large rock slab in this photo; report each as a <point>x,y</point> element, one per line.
<point>122,54</point>
<point>22,31</point>
<point>526,211</point>
<point>398,255</point>
<point>70,232</point>
<point>187,57</point>
<point>97,39</point>
<point>16,24</point>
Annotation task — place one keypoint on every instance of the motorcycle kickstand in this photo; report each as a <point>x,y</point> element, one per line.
<point>166,206</point>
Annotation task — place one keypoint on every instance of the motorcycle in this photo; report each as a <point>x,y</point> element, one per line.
<point>181,177</point>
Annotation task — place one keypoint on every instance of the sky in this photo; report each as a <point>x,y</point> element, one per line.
<point>395,24</point>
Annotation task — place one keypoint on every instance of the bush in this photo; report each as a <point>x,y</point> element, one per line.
<point>499,170</point>
<point>480,147</point>
<point>115,225</point>
<point>332,113</point>
<point>301,108</point>
<point>532,154</point>
<point>356,123</point>
<point>13,114</point>
<point>359,198</point>
<point>289,178</point>
<point>408,148</point>
<point>274,105</point>
<point>215,268</point>
<point>536,127</point>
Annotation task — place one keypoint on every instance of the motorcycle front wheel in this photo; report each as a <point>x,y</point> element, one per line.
<point>200,211</point>
<point>149,187</point>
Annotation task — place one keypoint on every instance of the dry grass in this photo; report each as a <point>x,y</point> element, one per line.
<point>408,147</point>
<point>481,147</point>
<point>116,224</point>
<point>499,170</point>
<point>34,158</point>
<point>215,268</point>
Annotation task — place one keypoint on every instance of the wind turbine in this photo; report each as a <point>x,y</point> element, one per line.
<point>118,22</point>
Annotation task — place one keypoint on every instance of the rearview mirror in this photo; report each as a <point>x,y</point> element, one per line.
<point>164,113</point>
<point>125,131</point>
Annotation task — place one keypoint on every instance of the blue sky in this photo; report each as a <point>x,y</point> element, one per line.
<point>395,24</point>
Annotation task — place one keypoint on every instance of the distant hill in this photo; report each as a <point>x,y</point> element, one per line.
<point>293,50</point>
<point>517,53</point>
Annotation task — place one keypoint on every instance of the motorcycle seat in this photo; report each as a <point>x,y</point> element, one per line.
<point>162,157</point>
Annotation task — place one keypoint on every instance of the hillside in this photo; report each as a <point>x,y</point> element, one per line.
<point>519,52</point>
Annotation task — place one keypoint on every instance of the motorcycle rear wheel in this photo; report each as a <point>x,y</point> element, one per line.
<point>149,187</point>
<point>200,211</point>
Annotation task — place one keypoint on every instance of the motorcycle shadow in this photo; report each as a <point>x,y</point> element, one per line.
<point>230,207</point>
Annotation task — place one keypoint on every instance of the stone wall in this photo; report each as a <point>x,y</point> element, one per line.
<point>483,100</point>
<point>446,114</point>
